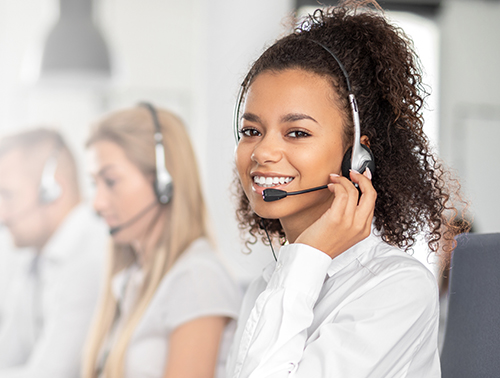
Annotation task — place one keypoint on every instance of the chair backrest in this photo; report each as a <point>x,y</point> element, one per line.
<point>471,346</point>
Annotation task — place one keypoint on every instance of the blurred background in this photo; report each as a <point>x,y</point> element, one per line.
<point>64,63</point>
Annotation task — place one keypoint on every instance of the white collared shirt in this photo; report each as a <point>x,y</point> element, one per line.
<point>44,325</point>
<point>371,312</point>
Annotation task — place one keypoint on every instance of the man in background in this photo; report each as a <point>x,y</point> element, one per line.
<point>50,300</point>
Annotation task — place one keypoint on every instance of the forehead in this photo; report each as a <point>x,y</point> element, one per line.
<point>275,95</point>
<point>108,154</point>
<point>289,86</point>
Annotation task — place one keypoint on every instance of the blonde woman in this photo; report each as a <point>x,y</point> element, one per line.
<point>168,303</point>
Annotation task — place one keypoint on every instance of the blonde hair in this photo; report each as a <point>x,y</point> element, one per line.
<point>133,130</point>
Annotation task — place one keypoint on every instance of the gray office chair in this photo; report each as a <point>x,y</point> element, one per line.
<point>471,346</point>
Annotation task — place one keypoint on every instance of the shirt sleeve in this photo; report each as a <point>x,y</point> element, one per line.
<point>199,286</point>
<point>373,335</point>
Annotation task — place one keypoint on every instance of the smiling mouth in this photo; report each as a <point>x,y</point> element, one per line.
<point>269,182</point>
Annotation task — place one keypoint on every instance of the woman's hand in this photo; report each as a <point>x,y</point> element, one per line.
<point>347,221</point>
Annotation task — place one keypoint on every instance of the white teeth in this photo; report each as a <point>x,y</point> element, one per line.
<point>267,182</point>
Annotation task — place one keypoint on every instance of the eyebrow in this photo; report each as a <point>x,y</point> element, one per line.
<point>104,169</point>
<point>291,117</point>
<point>251,117</point>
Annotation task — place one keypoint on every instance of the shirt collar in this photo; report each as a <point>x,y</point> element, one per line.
<point>354,253</point>
<point>341,261</point>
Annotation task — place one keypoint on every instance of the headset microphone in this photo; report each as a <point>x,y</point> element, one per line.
<point>270,195</point>
<point>131,221</point>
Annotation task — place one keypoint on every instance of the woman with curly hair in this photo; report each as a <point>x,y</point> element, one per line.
<point>343,299</point>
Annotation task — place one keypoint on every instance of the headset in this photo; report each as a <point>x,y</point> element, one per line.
<point>163,184</point>
<point>49,189</point>
<point>358,157</point>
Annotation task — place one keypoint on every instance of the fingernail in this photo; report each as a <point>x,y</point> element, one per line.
<point>334,175</point>
<point>367,173</point>
<point>353,170</point>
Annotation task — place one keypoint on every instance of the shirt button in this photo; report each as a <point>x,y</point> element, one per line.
<point>279,265</point>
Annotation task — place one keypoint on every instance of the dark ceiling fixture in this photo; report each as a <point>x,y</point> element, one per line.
<point>75,45</point>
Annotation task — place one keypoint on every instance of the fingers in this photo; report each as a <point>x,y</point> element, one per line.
<point>366,205</point>
<point>346,197</point>
<point>348,204</point>
<point>347,221</point>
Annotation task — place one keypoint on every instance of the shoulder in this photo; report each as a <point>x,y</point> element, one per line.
<point>200,257</point>
<point>199,272</point>
<point>388,260</point>
<point>197,285</point>
<point>400,274</point>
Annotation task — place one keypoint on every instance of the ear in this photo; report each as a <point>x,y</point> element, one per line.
<point>365,140</point>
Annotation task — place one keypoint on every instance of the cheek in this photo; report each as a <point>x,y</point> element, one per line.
<point>327,158</point>
<point>242,160</point>
<point>131,197</point>
<point>139,194</point>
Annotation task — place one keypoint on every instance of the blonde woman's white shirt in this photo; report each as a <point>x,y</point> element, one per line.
<point>371,312</point>
<point>198,285</point>
<point>45,321</point>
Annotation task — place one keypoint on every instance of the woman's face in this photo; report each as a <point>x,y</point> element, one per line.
<point>291,139</point>
<point>123,192</point>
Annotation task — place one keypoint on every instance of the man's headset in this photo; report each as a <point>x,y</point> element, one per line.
<point>358,157</point>
<point>49,189</point>
<point>163,185</point>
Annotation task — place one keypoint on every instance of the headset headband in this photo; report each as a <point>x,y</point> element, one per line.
<point>361,157</point>
<point>163,183</point>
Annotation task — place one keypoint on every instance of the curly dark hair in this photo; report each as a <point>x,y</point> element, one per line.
<point>415,192</point>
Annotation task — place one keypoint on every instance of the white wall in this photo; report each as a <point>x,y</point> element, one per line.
<point>470,103</point>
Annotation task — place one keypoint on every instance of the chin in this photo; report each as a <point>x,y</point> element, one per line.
<point>20,242</point>
<point>120,239</point>
<point>271,210</point>
<point>310,205</point>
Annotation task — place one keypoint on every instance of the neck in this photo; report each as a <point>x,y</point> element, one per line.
<point>295,224</point>
<point>145,246</point>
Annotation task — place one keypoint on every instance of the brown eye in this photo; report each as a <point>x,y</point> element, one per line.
<point>249,132</point>
<point>298,134</point>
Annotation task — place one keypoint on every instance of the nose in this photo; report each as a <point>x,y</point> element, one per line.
<point>268,149</point>
<point>100,201</point>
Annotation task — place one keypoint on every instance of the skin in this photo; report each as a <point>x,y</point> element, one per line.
<point>292,128</point>
<point>31,223</point>
<point>194,348</point>
<point>122,192</point>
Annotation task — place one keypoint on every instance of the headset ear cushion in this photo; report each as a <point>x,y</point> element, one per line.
<point>367,163</point>
<point>48,193</point>
<point>163,192</point>
<point>346,163</point>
